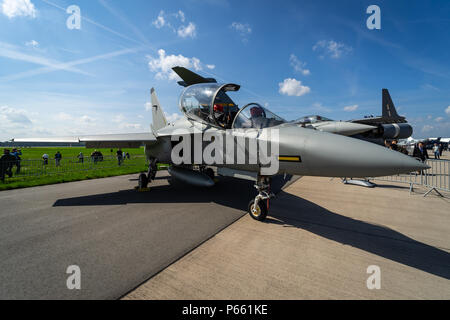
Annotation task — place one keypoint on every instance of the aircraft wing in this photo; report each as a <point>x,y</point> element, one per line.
<point>128,140</point>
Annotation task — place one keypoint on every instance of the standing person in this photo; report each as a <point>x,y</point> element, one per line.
<point>436,151</point>
<point>441,149</point>
<point>45,158</point>
<point>94,156</point>
<point>119,156</point>
<point>394,145</point>
<point>17,153</point>
<point>6,163</point>
<point>421,152</point>
<point>58,157</point>
<point>81,157</point>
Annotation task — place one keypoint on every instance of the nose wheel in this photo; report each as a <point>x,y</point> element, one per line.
<point>258,208</point>
<point>145,179</point>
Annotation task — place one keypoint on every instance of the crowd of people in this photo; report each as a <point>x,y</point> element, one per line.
<point>11,159</point>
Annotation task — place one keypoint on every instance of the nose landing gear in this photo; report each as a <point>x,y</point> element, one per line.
<point>258,208</point>
<point>145,179</point>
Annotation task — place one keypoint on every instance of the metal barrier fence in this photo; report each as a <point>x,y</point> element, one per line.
<point>437,178</point>
<point>35,168</point>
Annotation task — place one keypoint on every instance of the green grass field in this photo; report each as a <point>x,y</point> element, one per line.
<point>35,173</point>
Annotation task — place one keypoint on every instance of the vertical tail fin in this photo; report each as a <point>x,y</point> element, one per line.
<point>389,110</point>
<point>159,119</point>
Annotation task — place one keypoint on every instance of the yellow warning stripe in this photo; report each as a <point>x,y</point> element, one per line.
<point>291,159</point>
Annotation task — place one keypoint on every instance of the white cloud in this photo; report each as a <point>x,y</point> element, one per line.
<point>32,43</point>
<point>160,20</point>
<point>439,119</point>
<point>171,118</point>
<point>118,118</point>
<point>63,117</point>
<point>332,48</point>
<point>298,65</point>
<point>18,8</point>
<point>175,22</point>
<point>130,126</point>
<point>10,117</point>
<point>84,120</point>
<point>351,108</point>
<point>427,128</point>
<point>163,65</point>
<point>87,120</point>
<point>180,15</point>
<point>293,87</point>
<point>187,31</point>
<point>447,111</point>
<point>243,29</point>
<point>210,66</point>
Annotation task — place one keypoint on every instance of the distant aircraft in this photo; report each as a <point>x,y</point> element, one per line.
<point>210,116</point>
<point>388,126</point>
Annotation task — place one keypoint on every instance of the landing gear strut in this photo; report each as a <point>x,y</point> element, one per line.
<point>258,207</point>
<point>145,179</point>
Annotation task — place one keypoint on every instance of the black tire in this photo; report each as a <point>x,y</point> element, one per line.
<point>143,181</point>
<point>210,173</point>
<point>261,212</point>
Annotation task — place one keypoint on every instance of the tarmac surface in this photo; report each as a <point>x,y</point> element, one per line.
<point>181,242</point>
<point>117,236</point>
<point>318,243</point>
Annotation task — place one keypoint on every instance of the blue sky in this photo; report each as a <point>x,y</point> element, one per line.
<point>296,57</point>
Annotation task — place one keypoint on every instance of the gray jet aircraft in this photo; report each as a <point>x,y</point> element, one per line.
<point>210,116</point>
<point>388,126</point>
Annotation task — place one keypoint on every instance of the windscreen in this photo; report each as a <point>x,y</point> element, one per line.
<point>257,117</point>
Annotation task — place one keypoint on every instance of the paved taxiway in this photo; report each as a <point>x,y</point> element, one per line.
<point>317,244</point>
<point>116,235</point>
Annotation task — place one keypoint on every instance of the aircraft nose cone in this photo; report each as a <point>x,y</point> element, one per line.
<point>333,155</point>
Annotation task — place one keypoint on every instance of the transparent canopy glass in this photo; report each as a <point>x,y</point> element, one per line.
<point>311,119</point>
<point>209,103</point>
<point>195,101</point>
<point>255,116</point>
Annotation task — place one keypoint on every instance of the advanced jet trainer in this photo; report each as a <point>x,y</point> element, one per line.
<point>247,141</point>
<point>388,126</point>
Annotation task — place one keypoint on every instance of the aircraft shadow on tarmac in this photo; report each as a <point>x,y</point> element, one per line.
<point>293,211</point>
<point>288,210</point>
<point>228,192</point>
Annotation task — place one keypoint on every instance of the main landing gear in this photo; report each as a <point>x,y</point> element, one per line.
<point>258,207</point>
<point>145,179</point>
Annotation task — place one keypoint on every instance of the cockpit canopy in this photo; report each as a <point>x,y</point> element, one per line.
<point>255,116</point>
<point>311,120</point>
<point>210,104</point>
